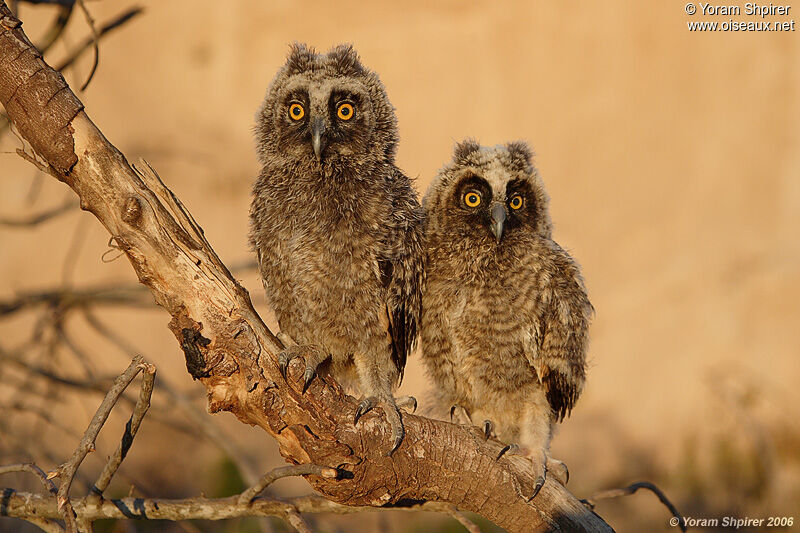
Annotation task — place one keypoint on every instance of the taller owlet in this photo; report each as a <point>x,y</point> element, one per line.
<point>337,226</point>
<point>505,310</point>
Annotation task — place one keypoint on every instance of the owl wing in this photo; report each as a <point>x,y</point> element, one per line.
<point>560,337</point>
<point>401,269</point>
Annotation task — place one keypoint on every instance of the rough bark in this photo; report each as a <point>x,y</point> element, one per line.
<point>231,351</point>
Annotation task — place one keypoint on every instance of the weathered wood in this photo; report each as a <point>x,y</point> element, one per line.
<point>229,348</point>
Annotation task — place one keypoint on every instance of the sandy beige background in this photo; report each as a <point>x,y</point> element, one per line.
<point>672,159</point>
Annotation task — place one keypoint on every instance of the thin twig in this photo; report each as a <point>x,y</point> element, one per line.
<point>38,218</point>
<point>109,26</point>
<point>32,469</point>
<point>296,521</point>
<point>95,45</point>
<point>468,524</point>
<point>282,472</point>
<point>142,405</point>
<point>57,28</point>
<point>44,414</point>
<point>35,162</point>
<point>96,385</point>
<point>63,299</point>
<point>66,472</point>
<point>632,488</point>
<point>42,523</point>
<point>197,416</point>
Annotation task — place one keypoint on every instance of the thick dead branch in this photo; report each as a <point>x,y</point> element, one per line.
<point>230,350</point>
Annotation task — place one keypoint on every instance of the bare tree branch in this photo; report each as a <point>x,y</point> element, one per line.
<point>66,472</point>
<point>230,350</point>
<point>130,432</point>
<point>33,469</point>
<point>106,28</point>
<point>279,473</point>
<point>631,489</point>
<point>57,28</point>
<point>37,218</point>
<point>95,44</point>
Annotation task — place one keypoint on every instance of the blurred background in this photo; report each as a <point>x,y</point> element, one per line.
<point>672,159</point>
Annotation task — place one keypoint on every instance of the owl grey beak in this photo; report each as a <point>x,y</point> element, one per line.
<point>498,220</point>
<point>318,137</point>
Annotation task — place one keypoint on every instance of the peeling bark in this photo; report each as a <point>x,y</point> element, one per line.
<point>231,351</point>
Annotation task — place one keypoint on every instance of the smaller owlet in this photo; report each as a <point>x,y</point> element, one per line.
<point>505,312</point>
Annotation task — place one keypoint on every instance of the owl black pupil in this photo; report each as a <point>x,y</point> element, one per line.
<point>345,111</point>
<point>295,111</point>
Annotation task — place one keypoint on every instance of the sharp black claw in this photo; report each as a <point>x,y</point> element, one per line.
<point>283,366</point>
<point>308,377</point>
<point>487,428</point>
<point>397,441</point>
<point>414,400</point>
<point>503,452</point>
<point>452,411</point>
<point>360,411</point>
<point>566,469</point>
<point>537,487</point>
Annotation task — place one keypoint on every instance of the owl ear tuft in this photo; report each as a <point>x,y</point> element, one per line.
<point>521,155</point>
<point>301,58</point>
<point>464,148</point>
<point>345,60</point>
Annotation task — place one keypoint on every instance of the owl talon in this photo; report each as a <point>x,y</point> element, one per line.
<point>407,403</point>
<point>459,415</point>
<point>488,428</point>
<point>396,423</point>
<point>364,407</point>
<point>537,487</point>
<point>313,357</point>
<point>541,465</point>
<point>509,449</point>
<point>308,377</point>
<point>284,359</point>
<point>392,415</point>
<point>558,470</point>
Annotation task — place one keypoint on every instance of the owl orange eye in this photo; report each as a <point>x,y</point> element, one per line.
<point>472,198</point>
<point>516,202</point>
<point>345,111</point>
<point>296,111</point>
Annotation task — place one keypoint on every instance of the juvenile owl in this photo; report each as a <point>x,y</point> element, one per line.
<point>336,225</point>
<point>505,311</point>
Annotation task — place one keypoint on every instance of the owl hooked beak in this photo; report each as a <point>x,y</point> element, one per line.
<point>318,140</point>
<point>498,220</point>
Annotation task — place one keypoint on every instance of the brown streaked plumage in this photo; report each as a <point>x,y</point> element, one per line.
<point>505,311</point>
<point>336,225</point>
